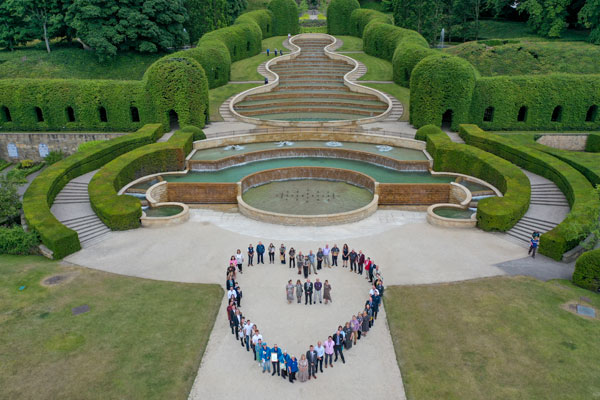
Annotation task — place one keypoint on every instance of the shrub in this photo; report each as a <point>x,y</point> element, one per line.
<point>242,40</point>
<point>15,241</point>
<point>264,20</point>
<point>592,144</point>
<point>494,213</point>
<point>381,39</point>
<point>24,164</point>
<point>406,56</point>
<point>41,193</point>
<point>587,271</point>
<point>89,145</point>
<point>124,212</point>
<point>580,194</point>
<point>285,17</point>
<point>361,17</point>
<point>54,156</point>
<point>441,86</point>
<point>10,204</point>
<point>339,13</point>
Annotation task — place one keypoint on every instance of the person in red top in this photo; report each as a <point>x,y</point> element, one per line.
<point>368,264</point>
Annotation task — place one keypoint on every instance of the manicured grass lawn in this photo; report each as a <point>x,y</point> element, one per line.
<point>490,29</point>
<point>399,92</point>
<point>275,42</point>
<point>218,95</point>
<point>141,339</point>
<point>351,43</point>
<point>498,338</point>
<point>530,57</point>
<point>378,69</point>
<point>68,62</point>
<point>245,70</point>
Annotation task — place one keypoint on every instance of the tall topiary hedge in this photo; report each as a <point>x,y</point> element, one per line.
<point>178,84</point>
<point>580,194</point>
<point>214,58</point>
<point>263,18</point>
<point>41,193</point>
<point>338,16</point>
<point>587,271</point>
<point>361,17</point>
<point>73,104</point>
<point>124,212</point>
<point>381,39</point>
<point>406,56</point>
<point>285,17</point>
<point>242,40</point>
<point>494,213</point>
<point>441,86</point>
<point>592,144</point>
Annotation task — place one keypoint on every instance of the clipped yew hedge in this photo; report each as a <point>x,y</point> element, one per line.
<point>592,144</point>
<point>361,17</point>
<point>587,271</point>
<point>263,18</point>
<point>124,212</point>
<point>580,194</point>
<point>493,213</point>
<point>84,97</point>
<point>242,40</point>
<point>285,17</point>
<point>339,13</point>
<point>215,60</point>
<point>441,84</point>
<point>43,190</point>
<point>406,56</point>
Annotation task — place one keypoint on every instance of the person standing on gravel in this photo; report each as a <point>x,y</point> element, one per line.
<point>335,251</point>
<point>361,261</point>
<point>318,293</point>
<point>292,255</point>
<point>329,343</point>
<point>282,254</point>
<point>292,369</point>
<point>289,292</point>
<point>338,339</point>
<point>260,252</point>
<point>320,349</point>
<point>345,256</point>
<point>308,292</point>
<point>319,258</point>
<point>271,254</point>
<point>326,260</point>
<point>311,259</point>
<point>250,254</point>
<point>327,292</point>
<point>311,357</point>
<point>306,266</point>
<point>353,256</point>
<point>299,291</point>
<point>300,263</point>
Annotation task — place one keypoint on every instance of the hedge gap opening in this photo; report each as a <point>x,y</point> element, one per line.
<point>592,114</point>
<point>70,114</point>
<point>6,114</point>
<point>39,114</point>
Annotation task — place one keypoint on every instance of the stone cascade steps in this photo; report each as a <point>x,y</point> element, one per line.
<point>397,109</point>
<point>88,228</point>
<point>263,71</point>
<point>73,192</point>
<point>225,112</point>
<point>524,228</point>
<point>359,72</point>
<point>547,194</point>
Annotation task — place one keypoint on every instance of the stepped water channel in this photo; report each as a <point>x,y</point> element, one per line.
<point>311,88</point>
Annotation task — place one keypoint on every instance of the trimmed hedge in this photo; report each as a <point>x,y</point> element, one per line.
<point>441,84</point>
<point>494,213</point>
<point>592,144</point>
<point>541,94</point>
<point>215,60</point>
<point>124,212</point>
<point>580,194</point>
<point>242,40</point>
<point>85,97</point>
<point>406,56</point>
<point>178,84</point>
<point>587,271</point>
<point>361,17</point>
<point>285,17</point>
<point>381,39</point>
<point>41,193</point>
<point>263,18</point>
<point>339,13</point>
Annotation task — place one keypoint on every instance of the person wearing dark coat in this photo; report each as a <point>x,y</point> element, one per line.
<point>308,292</point>
<point>338,340</point>
<point>311,356</point>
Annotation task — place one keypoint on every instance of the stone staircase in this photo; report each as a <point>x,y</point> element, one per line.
<point>524,228</point>
<point>547,194</point>
<point>263,71</point>
<point>225,112</point>
<point>397,109</point>
<point>360,71</point>
<point>89,228</point>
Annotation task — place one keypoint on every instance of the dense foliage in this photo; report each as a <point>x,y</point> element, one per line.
<point>14,240</point>
<point>587,271</point>
<point>205,16</point>
<point>493,213</point>
<point>285,17</point>
<point>338,16</point>
<point>593,143</point>
<point>10,204</point>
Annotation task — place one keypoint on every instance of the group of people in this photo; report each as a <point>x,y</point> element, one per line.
<point>274,359</point>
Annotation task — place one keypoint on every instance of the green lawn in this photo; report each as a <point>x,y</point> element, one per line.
<point>245,70</point>
<point>491,29</point>
<point>530,57</point>
<point>275,42</point>
<point>141,339</point>
<point>218,95</point>
<point>351,43</point>
<point>399,92</point>
<point>67,62</point>
<point>378,69</point>
<point>498,338</point>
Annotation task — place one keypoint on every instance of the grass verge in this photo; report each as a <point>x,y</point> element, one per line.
<point>378,69</point>
<point>351,43</point>
<point>218,95</point>
<point>141,339</point>
<point>399,92</point>
<point>494,29</point>
<point>498,338</point>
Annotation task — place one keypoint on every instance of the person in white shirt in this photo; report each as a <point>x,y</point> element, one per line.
<point>326,260</point>
<point>231,294</point>
<point>248,333</point>
<point>255,338</point>
<point>320,349</point>
<point>239,259</point>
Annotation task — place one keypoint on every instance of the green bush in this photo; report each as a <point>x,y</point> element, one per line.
<point>285,17</point>
<point>242,40</point>
<point>441,85</point>
<point>587,271</point>
<point>54,156</point>
<point>592,144</point>
<point>124,212</point>
<point>494,213</point>
<point>178,84</point>
<point>264,20</point>
<point>361,17</point>
<point>406,56</point>
<point>339,13</point>
<point>214,58</point>
<point>381,39</point>
<point>41,193</point>
<point>89,145</point>
<point>540,94</point>
<point>15,241</point>
<point>75,104</point>
<point>580,194</point>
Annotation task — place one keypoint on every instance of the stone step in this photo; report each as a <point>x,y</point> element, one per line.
<point>85,217</point>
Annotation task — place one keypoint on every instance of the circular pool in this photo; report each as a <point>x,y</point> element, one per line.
<point>453,212</point>
<point>163,211</point>
<point>164,214</point>
<point>307,197</point>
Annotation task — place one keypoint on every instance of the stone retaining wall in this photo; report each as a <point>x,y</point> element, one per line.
<point>574,142</point>
<point>202,192</point>
<point>413,193</point>
<point>27,145</point>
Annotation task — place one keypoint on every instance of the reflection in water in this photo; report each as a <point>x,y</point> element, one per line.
<point>333,144</point>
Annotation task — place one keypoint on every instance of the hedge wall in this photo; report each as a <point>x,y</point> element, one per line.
<point>587,271</point>
<point>41,193</point>
<point>339,13</point>
<point>494,213</point>
<point>84,97</point>
<point>406,56</point>
<point>584,203</point>
<point>285,17</point>
<point>592,144</point>
<point>263,18</point>
<point>124,212</point>
<point>215,60</point>
<point>541,94</point>
<point>242,40</point>
<point>441,84</point>
<point>361,17</point>
<point>178,84</point>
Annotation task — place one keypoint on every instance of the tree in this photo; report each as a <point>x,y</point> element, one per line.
<point>424,16</point>
<point>108,26</point>
<point>205,16</point>
<point>235,8</point>
<point>42,19</point>
<point>590,18</point>
<point>10,205</point>
<point>546,17</point>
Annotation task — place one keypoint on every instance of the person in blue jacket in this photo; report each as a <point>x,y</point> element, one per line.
<point>266,357</point>
<point>292,368</point>
<point>260,252</point>
<point>275,357</point>
<point>284,361</point>
<point>376,302</point>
